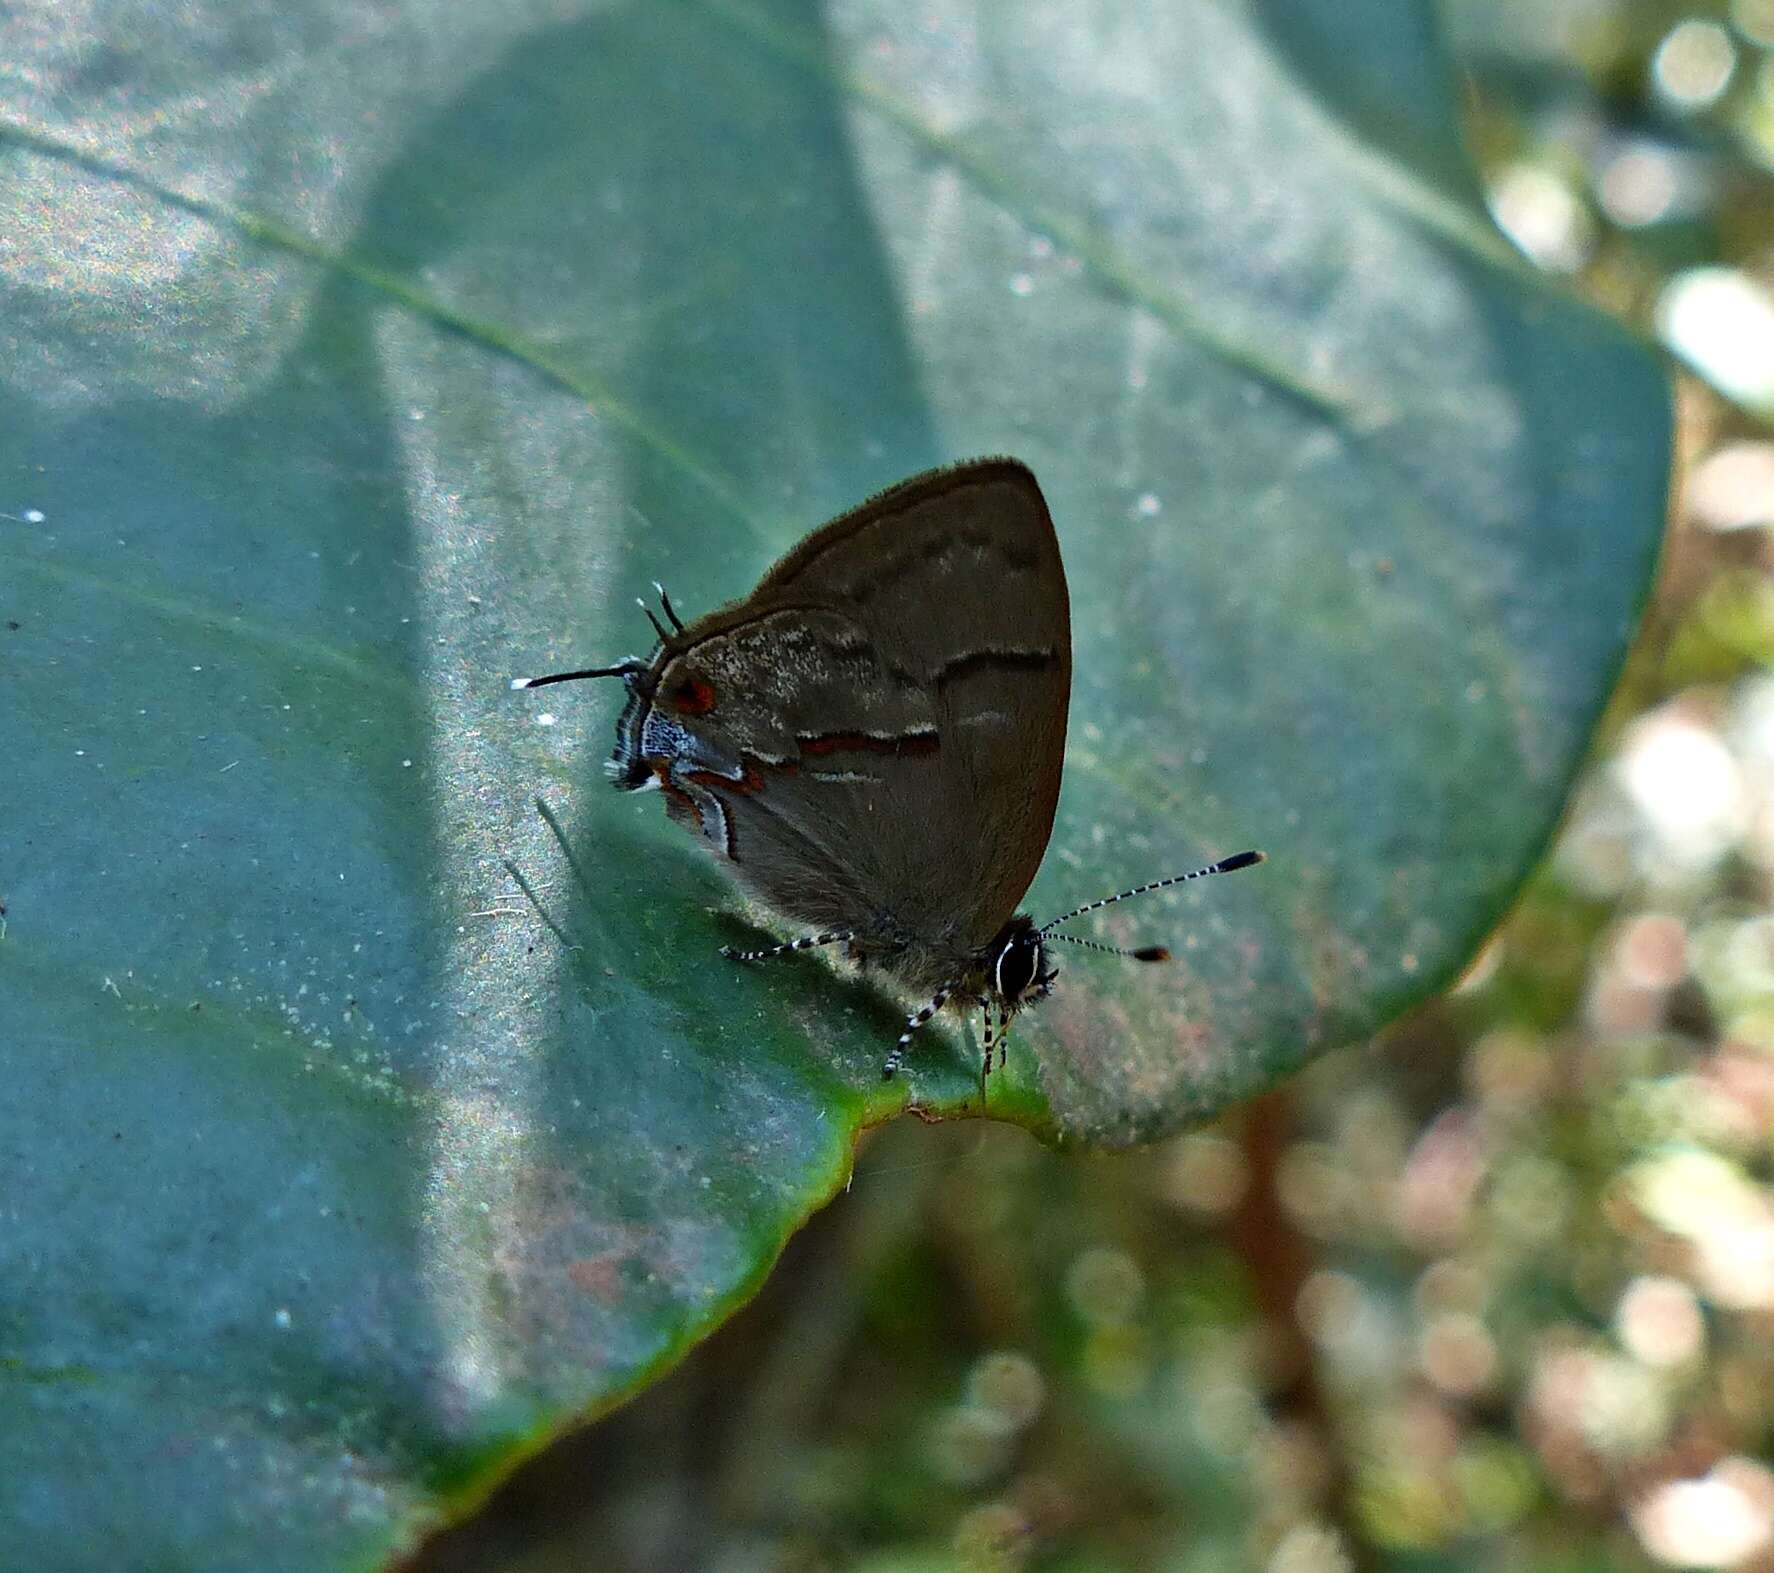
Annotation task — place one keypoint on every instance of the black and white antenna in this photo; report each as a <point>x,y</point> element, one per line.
<point>621,669</point>
<point>1228,865</point>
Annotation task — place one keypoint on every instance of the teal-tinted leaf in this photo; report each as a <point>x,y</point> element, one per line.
<point>358,356</point>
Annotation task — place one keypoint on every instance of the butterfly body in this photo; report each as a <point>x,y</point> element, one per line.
<point>872,739</point>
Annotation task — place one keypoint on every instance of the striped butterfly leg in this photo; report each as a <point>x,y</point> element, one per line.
<point>834,938</point>
<point>985,1063</point>
<point>896,1056</point>
<point>998,1039</point>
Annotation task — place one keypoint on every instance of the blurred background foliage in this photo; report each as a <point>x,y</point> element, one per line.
<point>1496,1291</point>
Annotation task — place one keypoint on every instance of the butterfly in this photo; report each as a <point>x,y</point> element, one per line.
<point>873,740</point>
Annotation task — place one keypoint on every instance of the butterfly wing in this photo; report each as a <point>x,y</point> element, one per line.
<point>957,576</point>
<point>876,733</point>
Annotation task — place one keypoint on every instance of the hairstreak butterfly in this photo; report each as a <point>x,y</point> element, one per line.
<point>873,739</point>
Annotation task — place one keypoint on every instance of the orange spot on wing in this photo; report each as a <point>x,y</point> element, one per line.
<point>691,695</point>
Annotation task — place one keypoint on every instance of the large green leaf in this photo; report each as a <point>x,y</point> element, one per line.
<point>357,356</point>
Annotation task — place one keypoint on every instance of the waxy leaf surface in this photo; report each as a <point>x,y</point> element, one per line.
<point>358,356</point>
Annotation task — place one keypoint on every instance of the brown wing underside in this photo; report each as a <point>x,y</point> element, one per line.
<point>898,686</point>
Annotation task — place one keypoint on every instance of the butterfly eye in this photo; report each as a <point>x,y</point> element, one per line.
<point>690,695</point>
